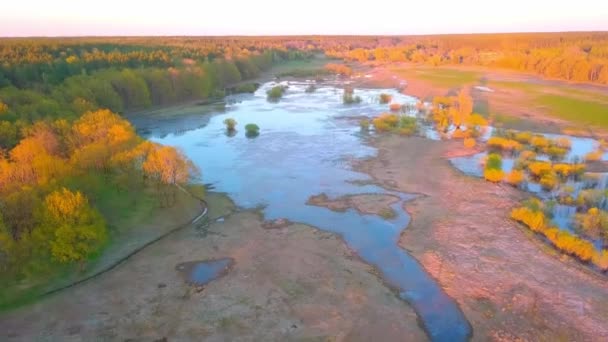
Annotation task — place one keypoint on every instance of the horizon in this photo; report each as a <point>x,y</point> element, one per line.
<point>269,18</point>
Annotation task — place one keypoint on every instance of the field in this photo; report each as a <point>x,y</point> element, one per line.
<point>514,97</point>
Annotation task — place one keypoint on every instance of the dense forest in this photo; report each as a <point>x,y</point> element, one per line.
<point>65,150</point>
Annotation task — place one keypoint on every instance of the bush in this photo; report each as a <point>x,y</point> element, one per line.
<point>385,98</point>
<point>523,137</point>
<point>349,97</point>
<point>246,88</point>
<point>276,92</point>
<point>230,124</point>
<point>549,181</point>
<point>503,144</point>
<point>385,122</point>
<point>469,142</point>
<point>594,156</point>
<point>493,175</point>
<point>339,69</point>
<point>515,177</point>
<point>252,130</point>
<point>364,124</point>
<point>494,162</point>
<point>600,259</point>
<point>539,168</point>
<point>407,125</point>
<point>567,170</point>
<point>395,107</point>
<point>539,143</point>
<point>594,223</point>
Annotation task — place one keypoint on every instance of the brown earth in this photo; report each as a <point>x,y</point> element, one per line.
<point>376,204</point>
<point>289,283</point>
<point>508,285</point>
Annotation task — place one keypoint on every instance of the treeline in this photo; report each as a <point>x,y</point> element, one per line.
<point>580,57</point>
<point>123,89</point>
<point>53,184</point>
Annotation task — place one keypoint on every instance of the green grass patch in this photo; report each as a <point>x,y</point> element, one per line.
<point>442,77</point>
<point>301,68</point>
<point>576,110</point>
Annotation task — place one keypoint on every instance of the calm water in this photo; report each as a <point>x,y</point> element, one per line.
<point>202,272</point>
<point>304,148</point>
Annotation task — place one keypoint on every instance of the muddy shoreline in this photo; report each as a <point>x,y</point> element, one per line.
<point>507,286</point>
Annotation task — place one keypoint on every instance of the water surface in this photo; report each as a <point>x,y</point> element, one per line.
<point>304,148</point>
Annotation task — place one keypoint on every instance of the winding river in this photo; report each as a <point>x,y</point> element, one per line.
<point>305,146</point>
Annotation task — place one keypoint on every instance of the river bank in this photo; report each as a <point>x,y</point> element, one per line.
<point>293,282</point>
<point>508,287</point>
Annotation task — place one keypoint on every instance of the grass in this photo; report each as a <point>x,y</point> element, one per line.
<point>442,77</point>
<point>301,68</point>
<point>576,110</point>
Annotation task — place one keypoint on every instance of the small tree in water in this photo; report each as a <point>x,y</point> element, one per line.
<point>252,130</point>
<point>230,124</point>
<point>349,98</point>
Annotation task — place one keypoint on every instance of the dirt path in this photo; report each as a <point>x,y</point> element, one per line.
<point>507,286</point>
<point>287,283</point>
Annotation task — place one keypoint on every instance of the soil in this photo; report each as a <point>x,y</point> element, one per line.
<point>505,280</point>
<point>376,204</point>
<point>289,283</point>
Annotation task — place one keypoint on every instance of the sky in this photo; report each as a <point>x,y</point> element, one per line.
<point>289,17</point>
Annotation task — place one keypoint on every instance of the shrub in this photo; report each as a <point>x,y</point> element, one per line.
<point>385,98</point>
<point>364,124</point>
<point>567,170</point>
<point>339,69</point>
<point>385,122</point>
<point>276,92</point>
<point>549,181</point>
<point>539,168</point>
<point>503,144</point>
<point>523,137</point>
<point>230,124</point>
<point>594,156</point>
<point>469,142</point>
<point>589,198</point>
<point>494,162</point>
<point>395,107</point>
<point>563,142</point>
<point>594,223</point>
<point>600,259</point>
<point>539,143</point>
<point>407,125</point>
<point>246,88</point>
<point>556,153</point>
<point>252,130</point>
<point>534,219</point>
<point>493,175</point>
<point>349,98</point>
<point>515,177</point>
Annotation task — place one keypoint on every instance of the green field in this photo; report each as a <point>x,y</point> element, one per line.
<point>576,110</point>
<point>442,77</point>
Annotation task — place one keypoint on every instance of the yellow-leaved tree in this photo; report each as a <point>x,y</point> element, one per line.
<point>73,230</point>
<point>167,166</point>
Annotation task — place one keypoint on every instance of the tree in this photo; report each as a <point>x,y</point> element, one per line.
<point>74,230</point>
<point>464,107</point>
<point>168,166</point>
